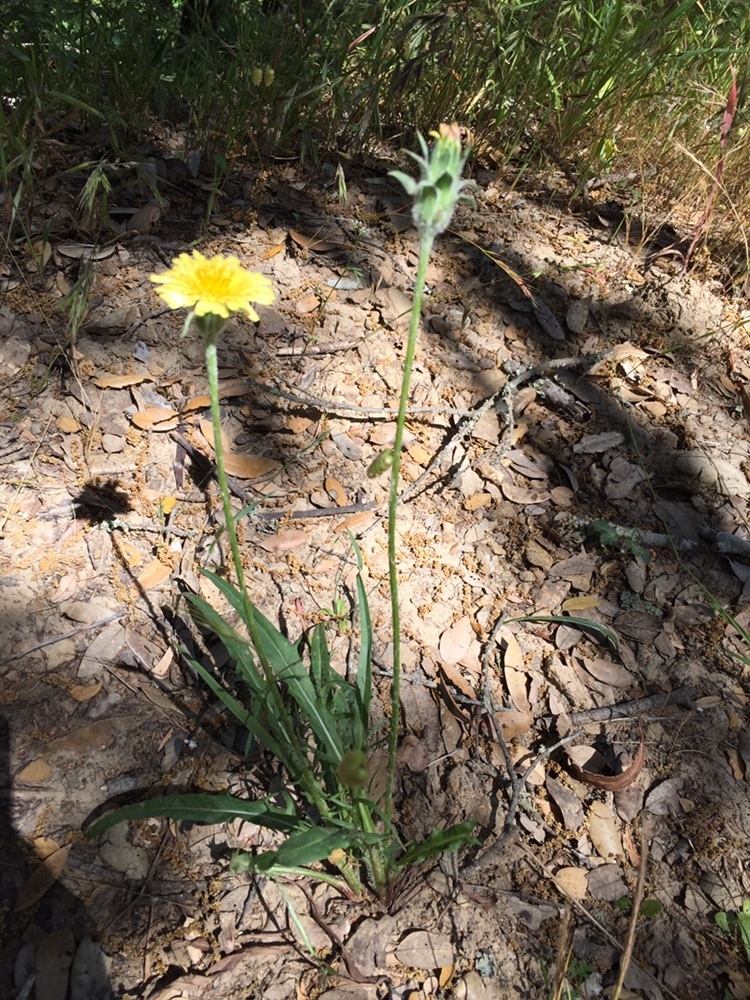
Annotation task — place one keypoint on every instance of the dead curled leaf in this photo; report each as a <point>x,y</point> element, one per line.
<point>613,782</point>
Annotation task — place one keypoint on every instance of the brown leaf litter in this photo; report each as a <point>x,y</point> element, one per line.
<point>574,448</point>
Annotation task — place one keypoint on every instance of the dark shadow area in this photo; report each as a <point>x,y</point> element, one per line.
<point>47,933</point>
<point>102,502</point>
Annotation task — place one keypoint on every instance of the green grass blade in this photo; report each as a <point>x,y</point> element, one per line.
<point>439,842</point>
<point>204,807</point>
<point>364,667</point>
<point>205,617</point>
<point>584,624</point>
<point>281,750</point>
<point>288,667</point>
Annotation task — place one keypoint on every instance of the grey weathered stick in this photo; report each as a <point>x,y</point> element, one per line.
<point>518,784</point>
<point>502,401</point>
<point>303,398</point>
<point>684,697</point>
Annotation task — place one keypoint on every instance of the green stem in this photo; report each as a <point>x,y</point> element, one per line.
<point>212,367</point>
<point>210,327</point>
<point>425,249</point>
<point>378,863</point>
<point>297,871</point>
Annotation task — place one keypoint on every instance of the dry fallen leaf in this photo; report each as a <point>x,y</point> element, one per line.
<point>103,649</point>
<point>144,220</point>
<point>42,878</point>
<point>284,541</point>
<point>200,402</point>
<point>298,425</point>
<point>85,692</point>
<point>68,425</point>
<point>606,883</point>
<point>44,846</point>
<point>604,831</point>
<point>53,960</point>
<point>313,242</point>
<point>157,418</point>
<point>231,387</point>
<point>574,881</point>
<point>335,490</point>
<point>518,494</point>
<point>161,668</point>
<point>567,802</point>
<point>512,653</point>
<point>456,678</point>
<point>665,799</point>
<point>249,467</point>
<point>120,381</point>
<point>153,574</point>
<point>85,251</point>
<point>357,522</point>
<point>129,553</point>
<point>273,251</point>
<point>36,772</point>
<point>516,681</point>
<point>207,430</point>
<point>607,672</point>
<point>307,304</point>
<point>456,640</point>
<point>580,603</point>
<point>425,950</point>
<point>89,977</point>
<point>514,723</point>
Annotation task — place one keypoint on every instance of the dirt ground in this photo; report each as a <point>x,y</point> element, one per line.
<point>611,484</point>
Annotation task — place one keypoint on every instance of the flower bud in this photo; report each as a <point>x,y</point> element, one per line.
<point>352,769</point>
<point>380,464</point>
<point>440,187</point>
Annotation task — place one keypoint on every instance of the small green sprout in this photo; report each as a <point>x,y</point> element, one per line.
<point>737,924</point>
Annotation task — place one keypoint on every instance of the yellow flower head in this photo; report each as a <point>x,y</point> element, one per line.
<point>217,285</point>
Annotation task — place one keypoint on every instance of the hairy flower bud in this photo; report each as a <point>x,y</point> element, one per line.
<point>440,187</point>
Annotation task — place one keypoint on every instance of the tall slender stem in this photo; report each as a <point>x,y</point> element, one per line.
<point>212,367</point>
<point>425,249</point>
<point>210,327</point>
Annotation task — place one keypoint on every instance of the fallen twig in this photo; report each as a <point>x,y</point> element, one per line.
<point>310,350</point>
<point>60,638</point>
<point>627,953</point>
<point>502,401</point>
<point>684,697</point>
<point>302,398</point>
<point>518,784</point>
<point>534,861</point>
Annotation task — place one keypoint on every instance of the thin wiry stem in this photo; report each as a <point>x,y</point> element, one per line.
<point>425,249</point>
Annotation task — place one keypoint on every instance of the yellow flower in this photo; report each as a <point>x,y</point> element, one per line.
<point>217,285</point>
